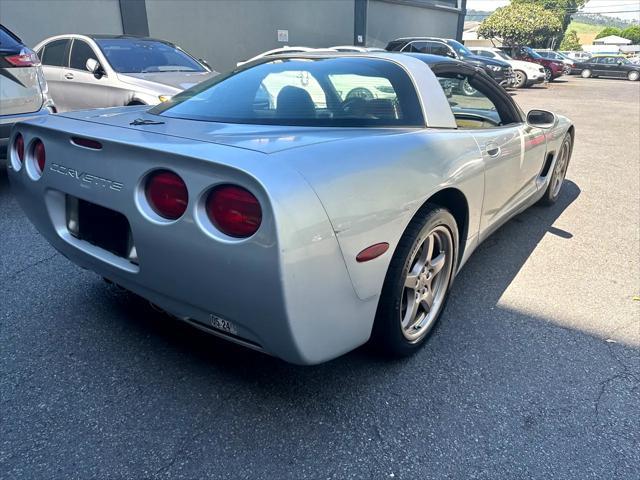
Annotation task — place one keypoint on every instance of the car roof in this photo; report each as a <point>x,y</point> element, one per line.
<point>384,55</point>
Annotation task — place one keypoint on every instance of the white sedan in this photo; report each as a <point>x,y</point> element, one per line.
<point>526,73</point>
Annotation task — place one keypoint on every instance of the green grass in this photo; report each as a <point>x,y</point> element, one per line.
<point>585,32</point>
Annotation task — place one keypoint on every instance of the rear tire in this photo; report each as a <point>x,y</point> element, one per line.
<point>586,73</point>
<point>559,172</point>
<point>633,76</point>
<point>417,283</point>
<point>521,79</point>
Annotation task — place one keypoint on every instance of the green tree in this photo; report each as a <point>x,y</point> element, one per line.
<point>632,33</point>
<point>571,42</point>
<point>522,24</point>
<point>562,8</point>
<point>606,31</point>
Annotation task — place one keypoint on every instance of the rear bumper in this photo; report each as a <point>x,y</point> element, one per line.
<point>8,121</point>
<point>286,290</point>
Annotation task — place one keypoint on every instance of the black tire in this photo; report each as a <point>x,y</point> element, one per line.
<point>548,74</point>
<point>388,335</point>
<point>633,76</point>
<point>552,193</point>
<point>586,73</point>
<point>520,79</point>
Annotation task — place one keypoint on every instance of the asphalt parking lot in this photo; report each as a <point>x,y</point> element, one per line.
<point>534,371</point>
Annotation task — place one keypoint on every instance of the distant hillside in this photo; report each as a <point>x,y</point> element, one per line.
<point>586,33</point>
<point>601,20</point>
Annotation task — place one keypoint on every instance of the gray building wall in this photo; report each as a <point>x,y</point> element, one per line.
<point>35,20</point>
<point>387,21</point>
<point>224,32</point>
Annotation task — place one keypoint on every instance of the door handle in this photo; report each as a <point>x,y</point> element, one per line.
<point>68,76</point>
<point>493,151</point>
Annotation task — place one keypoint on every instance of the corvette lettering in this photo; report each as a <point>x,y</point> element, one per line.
<point>86,179</point>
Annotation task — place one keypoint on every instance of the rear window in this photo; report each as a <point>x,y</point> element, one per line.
<point>332,92</point>
<point>8,41</point>
<point>54,53</point>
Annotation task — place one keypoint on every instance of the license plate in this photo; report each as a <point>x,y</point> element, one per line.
<point>222,324</point>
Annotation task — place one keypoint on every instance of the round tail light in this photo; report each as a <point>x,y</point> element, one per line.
<point>39,155</point>
<point>18,145</point>
<point>167,194</point>
<point>234,211</point>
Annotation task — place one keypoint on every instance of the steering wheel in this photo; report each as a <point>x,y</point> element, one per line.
<point>359,92</point>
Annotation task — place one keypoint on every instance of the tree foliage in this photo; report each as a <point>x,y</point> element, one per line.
<point>563,9</point>
<point>571,42</point>
<point>609,31</point>
<point>632,33</point>
<point>522,23</point>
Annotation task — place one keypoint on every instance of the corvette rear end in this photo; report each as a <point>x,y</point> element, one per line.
<point>197,228</point>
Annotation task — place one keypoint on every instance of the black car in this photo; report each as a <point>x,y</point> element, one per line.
<point>609,66</point>
<point>500,71</point>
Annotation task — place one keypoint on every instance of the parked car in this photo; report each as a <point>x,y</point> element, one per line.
<point>552,68</point>
<point>526,73</point>
<point>616,66</point>
<point>277,51</point>
<point>89,71</point>
<point>569,64</point>
<point>23,88</point>
<point>300,229</point>
<point>578,56</point>
<point>499,70</point>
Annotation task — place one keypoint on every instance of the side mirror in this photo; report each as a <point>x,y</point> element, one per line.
<point>94,67</point>
<point>541,118</point>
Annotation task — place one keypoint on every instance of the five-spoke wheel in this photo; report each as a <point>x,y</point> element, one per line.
<point>417,282</point>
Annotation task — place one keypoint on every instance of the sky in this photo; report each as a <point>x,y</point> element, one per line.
<point>631,7</point>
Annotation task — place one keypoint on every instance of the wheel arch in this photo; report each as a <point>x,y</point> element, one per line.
<point>456,202</point>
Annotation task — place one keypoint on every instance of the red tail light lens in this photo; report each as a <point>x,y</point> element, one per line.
<point>39,155</point>
<point>167,194</point>
<point>18,145</point>
<point>234,211</point>
<point>26,58</point>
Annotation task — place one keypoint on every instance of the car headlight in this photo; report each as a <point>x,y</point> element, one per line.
<point>495,68</point>
<point>164,98</point>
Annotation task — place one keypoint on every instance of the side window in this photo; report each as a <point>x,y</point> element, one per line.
<point>418,47</point>
<point>80,53</point>
<point>441,49</point>
<point>54,53</point>
<point>471,108</point>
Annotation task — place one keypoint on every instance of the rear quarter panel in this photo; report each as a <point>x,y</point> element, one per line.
<point>372,188</point>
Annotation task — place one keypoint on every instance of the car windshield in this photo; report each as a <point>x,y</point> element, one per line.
<point>502,55</point>
<point>459,48</point>
<point>130,55</point>
<point>532,53</point>
<point>317,92</point>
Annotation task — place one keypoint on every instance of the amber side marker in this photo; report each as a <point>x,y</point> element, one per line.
<point>374,251</point>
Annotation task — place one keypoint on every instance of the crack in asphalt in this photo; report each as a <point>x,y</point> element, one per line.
<point>29,267</point>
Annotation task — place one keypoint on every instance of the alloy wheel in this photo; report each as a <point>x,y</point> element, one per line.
<point>560,170</point>
<point>426,283</point>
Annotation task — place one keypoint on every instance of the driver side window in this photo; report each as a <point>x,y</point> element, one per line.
<point>471,108</point>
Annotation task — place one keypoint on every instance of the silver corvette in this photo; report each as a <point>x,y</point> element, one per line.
<point>274,207</point>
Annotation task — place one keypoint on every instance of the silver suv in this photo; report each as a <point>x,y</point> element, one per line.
<point>23,88</point>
